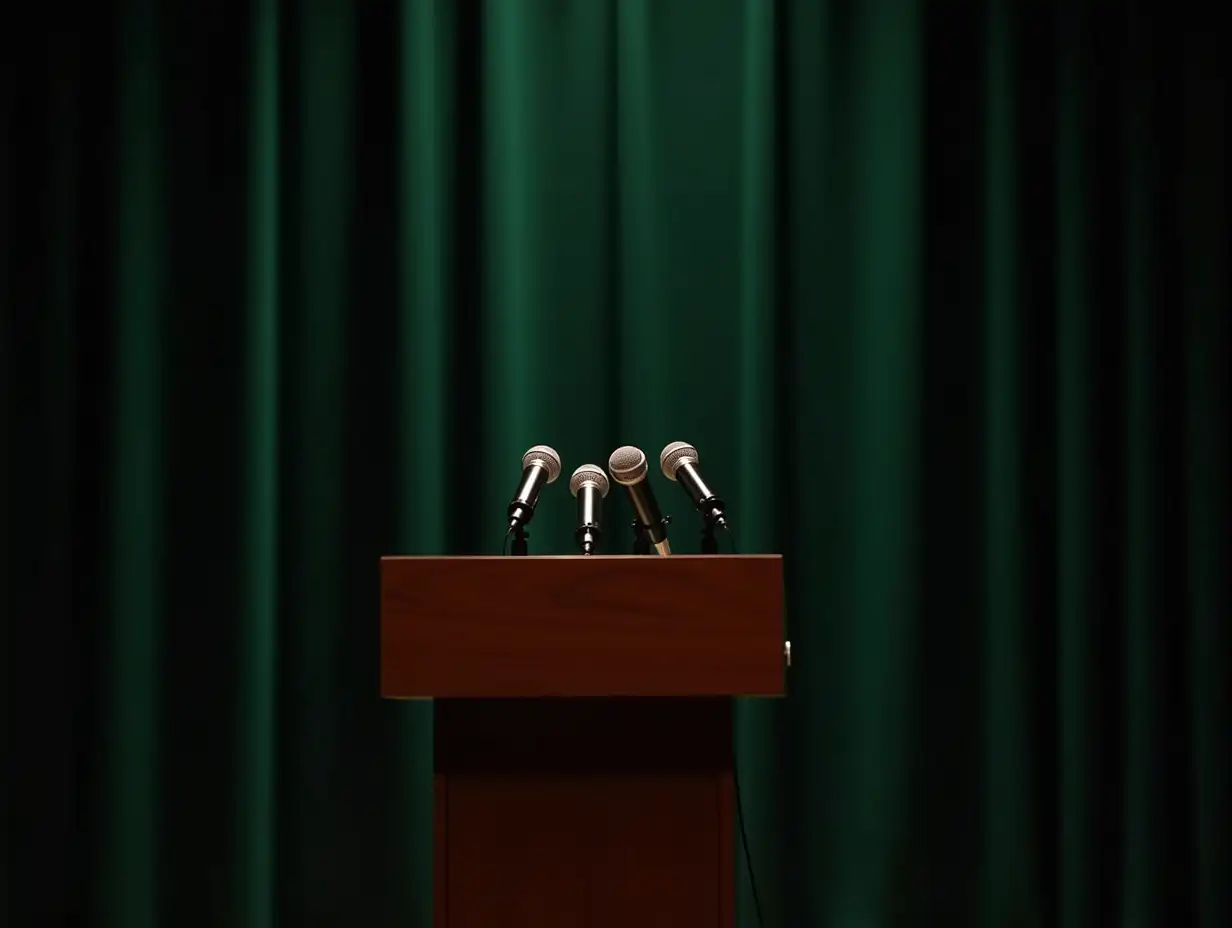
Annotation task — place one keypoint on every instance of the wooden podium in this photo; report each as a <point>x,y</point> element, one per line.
<point>583,728</point>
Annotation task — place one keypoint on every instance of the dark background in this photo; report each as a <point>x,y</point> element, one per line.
<point>938,290</point>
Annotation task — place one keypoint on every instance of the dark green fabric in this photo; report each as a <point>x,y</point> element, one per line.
<point>938,290</point>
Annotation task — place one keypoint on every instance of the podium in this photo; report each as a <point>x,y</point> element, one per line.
<point>583,728</point>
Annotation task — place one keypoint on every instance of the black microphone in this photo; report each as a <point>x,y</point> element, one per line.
<point>627,465</point>
<point>540,466</point>
<point>679,462</point>
<point>589,486</point>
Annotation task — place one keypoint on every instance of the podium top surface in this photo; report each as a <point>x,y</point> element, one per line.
<point>574,626</point>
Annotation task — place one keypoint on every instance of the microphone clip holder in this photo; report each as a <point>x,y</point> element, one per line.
<point>709,544</point>
<point>641,538</point>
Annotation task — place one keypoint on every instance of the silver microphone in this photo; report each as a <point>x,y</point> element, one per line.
<point>589,486</point>
<point>540,466</point>
<point>628,467</point>
<point>679,461</point>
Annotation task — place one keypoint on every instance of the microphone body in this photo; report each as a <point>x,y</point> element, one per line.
<point>589,485</point>
<point>628,467</point>
<point>540,466</point>
<point>679,461</point>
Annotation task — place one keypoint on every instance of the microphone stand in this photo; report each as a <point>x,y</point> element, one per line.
<point>518,548</point>
<point>709,544</point>
<point>641,538</point>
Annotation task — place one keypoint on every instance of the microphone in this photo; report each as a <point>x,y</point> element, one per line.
<point>589,486</point>
<point>540,466</point>
<point>627,465</point>
<point>679,462</point>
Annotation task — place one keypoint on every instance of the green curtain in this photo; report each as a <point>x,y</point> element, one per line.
<point>939,291</point>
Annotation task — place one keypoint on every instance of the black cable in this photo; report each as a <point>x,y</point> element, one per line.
<point>505,546</point>
<point>744,835</point>
<point>744,839</point>
<point>731,539</point>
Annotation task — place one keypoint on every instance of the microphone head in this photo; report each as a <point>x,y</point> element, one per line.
<point>627,465</point>
<point>675,454</point>
<point>546,456</point>
<point>588,473</point>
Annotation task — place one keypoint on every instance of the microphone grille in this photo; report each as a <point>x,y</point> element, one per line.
<point>545,456</point>
<point>675,454</point>
<point>627,465</point>
<point>589,473</point>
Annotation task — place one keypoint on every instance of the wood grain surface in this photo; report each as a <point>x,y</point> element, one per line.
<point>684,625</point>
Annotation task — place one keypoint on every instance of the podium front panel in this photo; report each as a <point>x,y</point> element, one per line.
<point>602,813</point>
<point>528,627</point>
